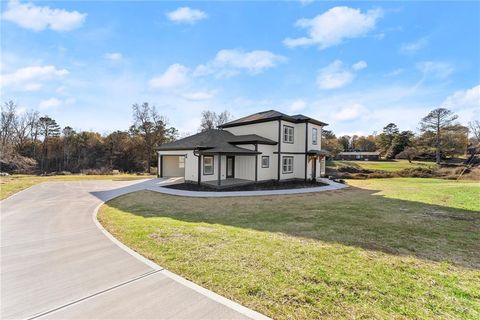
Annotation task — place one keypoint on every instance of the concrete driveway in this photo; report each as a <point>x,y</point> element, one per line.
<point>57,263</point>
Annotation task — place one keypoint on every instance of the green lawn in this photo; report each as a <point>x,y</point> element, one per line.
<point>15,183</point>
<point>389,248</point>
<point>391,165</point>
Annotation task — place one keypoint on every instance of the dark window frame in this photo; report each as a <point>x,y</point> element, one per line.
<point>293,134</point>
<point>283,164</point>
<point>314,136</point>
<point>268,161</point>
<point>213,165</point>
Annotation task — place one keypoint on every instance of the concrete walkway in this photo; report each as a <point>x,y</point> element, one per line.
<point>57,263</point>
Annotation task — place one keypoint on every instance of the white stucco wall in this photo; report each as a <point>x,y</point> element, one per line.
<point>265,129</point>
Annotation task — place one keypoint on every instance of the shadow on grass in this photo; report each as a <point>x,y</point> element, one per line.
<point>353,217</point>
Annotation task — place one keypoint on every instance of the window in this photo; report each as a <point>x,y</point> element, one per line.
<point>207,165</point>
<point>265,161</point>
<point>287,134</point>
<point>181,162</point>
<point>314,136</point>
<point>287,166</point>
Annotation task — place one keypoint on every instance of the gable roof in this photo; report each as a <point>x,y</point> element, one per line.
<point>271,115</point>
<point>216,141</point>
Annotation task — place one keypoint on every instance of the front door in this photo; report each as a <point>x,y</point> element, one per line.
<point>314,168</point>
<point>230,167</point>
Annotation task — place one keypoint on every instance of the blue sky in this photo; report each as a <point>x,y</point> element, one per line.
<point>355,65</point>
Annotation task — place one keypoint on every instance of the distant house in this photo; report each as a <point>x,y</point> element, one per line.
<point>358,155</point>
<point>268,145</point>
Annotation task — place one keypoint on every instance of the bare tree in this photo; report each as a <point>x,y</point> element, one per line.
<point>151,126</point>
<point>435,121</point>
<point>212,120</point>
<point>7,125</point>
<point>475,129</point>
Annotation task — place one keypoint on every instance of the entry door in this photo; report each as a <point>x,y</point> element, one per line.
<point>230,167</point>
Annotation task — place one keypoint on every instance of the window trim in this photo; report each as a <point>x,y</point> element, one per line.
<point>314,136</point>
<point>293,134</point>
<point>268,162</point>
<point>283,164</point>
<point>213,165</point>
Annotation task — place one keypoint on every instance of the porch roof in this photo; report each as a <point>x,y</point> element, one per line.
<point>319,152</point>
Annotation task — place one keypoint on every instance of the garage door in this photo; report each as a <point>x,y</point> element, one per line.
<point>173,166</point>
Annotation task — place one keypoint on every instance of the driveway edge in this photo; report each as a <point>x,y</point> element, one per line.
<point>203,291</point>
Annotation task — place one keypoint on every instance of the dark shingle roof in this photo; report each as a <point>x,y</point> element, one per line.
<point>214,141</point>
<point>270,115</point>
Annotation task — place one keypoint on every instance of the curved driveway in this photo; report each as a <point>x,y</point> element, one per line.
<point>56,263</point>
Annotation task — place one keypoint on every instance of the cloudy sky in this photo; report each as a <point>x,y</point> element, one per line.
<point>355,65</point>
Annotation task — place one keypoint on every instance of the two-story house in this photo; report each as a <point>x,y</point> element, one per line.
<point>264,146</point>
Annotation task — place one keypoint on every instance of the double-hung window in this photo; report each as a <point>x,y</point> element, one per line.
<point>265,161</point>
<point>207,165</point>
<point>287,134</point>
<point>314,136</point>
<point>287,164</point>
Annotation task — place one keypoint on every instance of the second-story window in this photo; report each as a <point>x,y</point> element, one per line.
<point>287,134</point>
<point>314,136</point>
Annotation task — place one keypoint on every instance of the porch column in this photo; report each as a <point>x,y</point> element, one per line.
<point>256,163</point>
<point>219,169</point>
<point>160,167</point>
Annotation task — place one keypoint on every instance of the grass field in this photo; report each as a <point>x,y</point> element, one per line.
<point>391,165</point>
<point>387,248</point>
<point>15,183</point>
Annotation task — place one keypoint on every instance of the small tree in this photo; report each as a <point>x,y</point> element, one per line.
<point>435,121</point>
<point>48,129</point>
<point>408,153</point>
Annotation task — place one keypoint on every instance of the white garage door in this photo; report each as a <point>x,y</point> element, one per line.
<point>173,166</point>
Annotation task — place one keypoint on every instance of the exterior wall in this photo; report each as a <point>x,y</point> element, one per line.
<point>270,172</point>
<point>265,129</point>
<point>245,167</point>
<point>312,146</point>
<point>298,137</point>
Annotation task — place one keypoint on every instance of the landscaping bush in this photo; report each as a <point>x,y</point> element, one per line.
<point>17,164</point>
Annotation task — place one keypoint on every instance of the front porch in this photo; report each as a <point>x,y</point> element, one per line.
<point>227,183</point>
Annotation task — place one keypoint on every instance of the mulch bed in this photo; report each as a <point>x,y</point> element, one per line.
<point>269,185</point>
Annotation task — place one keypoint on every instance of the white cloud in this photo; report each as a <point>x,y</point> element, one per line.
<point>336,75</point>
<point>394,73</point>
<point>186,15</point>
<point>30,16</point>
<point>464,99</point>
<point>435,69</point>
<point>350,112</point>
<point>49,103</point>
<point>31,78</point>
<point>114,56</point>
<point>412,47</point>
<point>175,76</point>
<point>360,65</point>
<point>334,26</point>
<point>230,62</point>
<point>297,105</point>
<point>199,95</point>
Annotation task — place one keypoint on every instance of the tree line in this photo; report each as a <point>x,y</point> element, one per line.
<point>439,138</point>
<point>33,143</point>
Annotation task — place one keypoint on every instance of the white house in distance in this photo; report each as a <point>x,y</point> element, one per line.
<point>264,146</point>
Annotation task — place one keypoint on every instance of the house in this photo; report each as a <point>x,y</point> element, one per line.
<point>359,155</point>
<point>264,146</point>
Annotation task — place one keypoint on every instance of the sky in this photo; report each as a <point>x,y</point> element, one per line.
<point>356,65</point>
